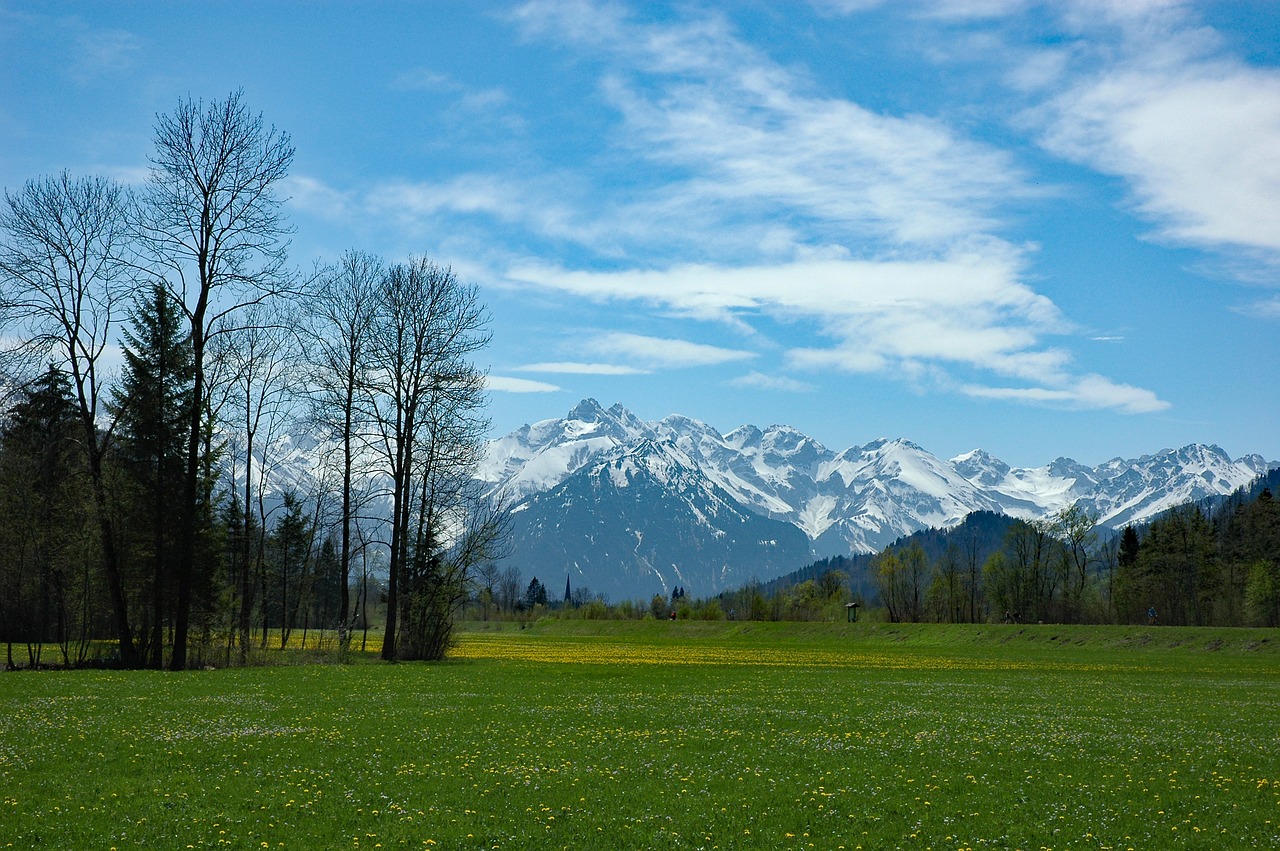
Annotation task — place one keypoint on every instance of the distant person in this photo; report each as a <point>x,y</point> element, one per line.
<point>1151,616</point>
<point>1008,618</point>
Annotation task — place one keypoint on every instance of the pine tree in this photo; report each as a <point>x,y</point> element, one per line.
<point>154,403</point>
<point>41,510</point>
<point>291,544</point>
<point>535,594</point>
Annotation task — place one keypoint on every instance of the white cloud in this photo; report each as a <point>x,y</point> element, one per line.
<point>505,384</point>
<point>760,381</point>
<point>1265,309</point>
<point>661,352</point>
<point>468,97</point>
<point>750,192</point>
<point>903,319</point>
<point>314,196</point>
<point>762,143</point>
<point>574,368</point>
<point>1193,132</point>
<point>108,50</point>
<point>1088,392</point>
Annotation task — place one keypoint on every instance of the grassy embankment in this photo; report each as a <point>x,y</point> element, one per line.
<point>646,734</point>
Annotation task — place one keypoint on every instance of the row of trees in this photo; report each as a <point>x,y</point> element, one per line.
<point>1193,565</point>
<point>138,500</point>
<point>1200,566</point>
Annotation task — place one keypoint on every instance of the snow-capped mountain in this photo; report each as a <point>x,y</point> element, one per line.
<point>643,518</point>
<point>864,497</point>
<point>1119,491</point>
<point>631,508</point>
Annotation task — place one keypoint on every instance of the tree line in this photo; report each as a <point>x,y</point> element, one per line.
<point>135,494</point>
<point>1199,564</point>
<point>1206,564</point>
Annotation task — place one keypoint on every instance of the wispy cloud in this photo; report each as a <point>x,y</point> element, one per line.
<point>468,97</point>
<point>1265,309</point>
<point>696,98</point>
<point>316,197</point>
<point>760,381</point>
<point>893,318</point>
<point>1192,130</point>
<point>105,50</point>
<point>506,384</point>
<point>574,368</point>
<point>1089,392</point>
<point>662,352</point>
<point>752,193</point>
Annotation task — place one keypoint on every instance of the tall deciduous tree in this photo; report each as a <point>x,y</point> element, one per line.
<point>256,360</point>
<point>65,274</point>
<point>212,220</point>
<point>342,312</point>
<point>1076,527</point>
<point>423,396</point>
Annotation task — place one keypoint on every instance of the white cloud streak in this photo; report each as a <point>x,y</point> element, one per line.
<point>506,384</point>
<point>1088,392</point>
<point>575,368</point>
<point>662,352</point>
<point>1193,132</point>
<point>969,312</point>
<point>760,381</point>
<point>757,195</point>
<point>696,98</point>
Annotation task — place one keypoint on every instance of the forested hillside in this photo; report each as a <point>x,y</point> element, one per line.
<point>1211,563</point>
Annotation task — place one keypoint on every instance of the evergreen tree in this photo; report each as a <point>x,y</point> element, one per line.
<point>291,561</point>
<point>154,406</point>
<point>1129,584</point>
<point>42,508</point>
<point>1177,571</point>
<point>535,594</point>
<point>1259,547</point>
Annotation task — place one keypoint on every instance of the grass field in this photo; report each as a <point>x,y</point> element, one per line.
<point>661,735</point>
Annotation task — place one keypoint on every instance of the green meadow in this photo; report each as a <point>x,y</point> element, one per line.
<point>669,735</point>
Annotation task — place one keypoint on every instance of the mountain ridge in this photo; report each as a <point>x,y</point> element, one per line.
<point>863,497</point>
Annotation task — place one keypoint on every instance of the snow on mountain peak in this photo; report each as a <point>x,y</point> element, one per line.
<point>588,410</point>
<point>860,498</point>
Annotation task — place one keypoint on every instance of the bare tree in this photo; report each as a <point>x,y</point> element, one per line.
<point>211,218</point>
<point>427,327</point>
<point>338,342</point>
<point>457,527</point>
<point>257,360</point>
<point>509,582</point>
<point>65,276</point>
<point>486,583</point>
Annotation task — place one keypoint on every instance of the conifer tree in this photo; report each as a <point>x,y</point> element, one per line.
<point>42,509</point>
<point>154,404</point>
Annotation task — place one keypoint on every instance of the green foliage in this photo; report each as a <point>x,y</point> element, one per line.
<point>535,594</point>
<point>153,408</point>
<point>46,550</point>
<point>1197,567</point>
<point>1263,594</point>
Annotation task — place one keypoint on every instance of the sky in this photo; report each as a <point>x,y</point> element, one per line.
<point>1042,229</point>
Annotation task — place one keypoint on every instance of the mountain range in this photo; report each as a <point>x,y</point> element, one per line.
<point>631,508</point>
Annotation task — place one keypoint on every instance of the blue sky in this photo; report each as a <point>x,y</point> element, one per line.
<point>1041,229</point>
